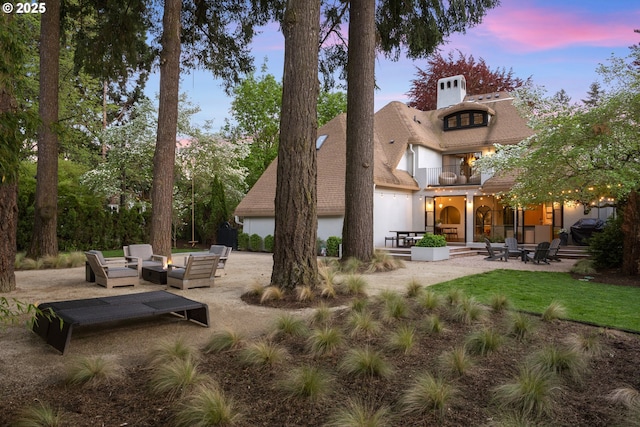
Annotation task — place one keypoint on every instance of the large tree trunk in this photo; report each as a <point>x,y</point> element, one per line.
<point>8,183</point>
<point>45,238</point>
<point>294,255</point>
<point>357,233</point>
<point>631,231</point>
<point>8,230</point>
<point>165,153</point>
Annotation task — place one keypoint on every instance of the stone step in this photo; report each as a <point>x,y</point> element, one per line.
<point>566,252</point>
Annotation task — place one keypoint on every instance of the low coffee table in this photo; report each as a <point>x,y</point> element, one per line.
<point>155,274</point>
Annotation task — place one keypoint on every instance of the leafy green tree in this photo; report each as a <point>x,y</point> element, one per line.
<point>579,153</point>
<point>256,112</point>
<point>256,119</point>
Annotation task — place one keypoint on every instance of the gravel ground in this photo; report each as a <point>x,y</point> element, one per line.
<point>24,357</point>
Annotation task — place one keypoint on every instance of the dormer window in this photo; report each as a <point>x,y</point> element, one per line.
<point>466,119</point>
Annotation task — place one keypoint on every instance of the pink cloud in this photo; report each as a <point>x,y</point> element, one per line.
<point>526,28</point>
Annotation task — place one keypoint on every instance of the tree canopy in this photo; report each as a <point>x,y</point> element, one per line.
<point>479,77</point>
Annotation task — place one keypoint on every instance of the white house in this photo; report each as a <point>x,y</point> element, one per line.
<point>424,174</point>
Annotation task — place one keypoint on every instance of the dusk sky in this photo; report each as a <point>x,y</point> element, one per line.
<point>559,43</point>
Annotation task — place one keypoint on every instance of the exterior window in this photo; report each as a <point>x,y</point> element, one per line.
<point>320,141</point>
<point>466,119</point>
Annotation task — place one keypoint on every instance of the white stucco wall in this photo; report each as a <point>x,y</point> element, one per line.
<point>327,226</point>
<point>391,211</point>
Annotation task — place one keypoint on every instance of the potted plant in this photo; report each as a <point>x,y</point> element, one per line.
<point>432,247</point>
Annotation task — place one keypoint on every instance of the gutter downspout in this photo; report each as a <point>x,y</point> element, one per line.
<point>413,161</point>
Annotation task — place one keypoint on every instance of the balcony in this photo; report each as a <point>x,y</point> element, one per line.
<point>451,176</point>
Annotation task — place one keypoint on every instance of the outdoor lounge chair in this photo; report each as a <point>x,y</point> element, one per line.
<point>198,272</point>
<point>512,247</point>
<point>553,250</point>
<point>541,253</point>
<point>142,256</point>
<point>495,253</point>
<point>224,252</point>
<point>109,276</point>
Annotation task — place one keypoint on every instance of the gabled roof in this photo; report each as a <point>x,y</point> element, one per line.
<point>259,201</point>
<point>396,126</point>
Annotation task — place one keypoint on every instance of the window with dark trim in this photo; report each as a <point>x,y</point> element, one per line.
<point>466,119</point>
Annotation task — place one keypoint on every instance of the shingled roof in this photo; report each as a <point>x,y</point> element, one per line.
<point>396,126</point>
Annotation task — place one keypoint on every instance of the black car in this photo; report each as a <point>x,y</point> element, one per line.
<point>584,228</point>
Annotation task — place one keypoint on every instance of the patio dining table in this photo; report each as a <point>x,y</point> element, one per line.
<point>408,237</point>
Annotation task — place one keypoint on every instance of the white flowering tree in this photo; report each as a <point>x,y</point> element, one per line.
<point>582,153</point>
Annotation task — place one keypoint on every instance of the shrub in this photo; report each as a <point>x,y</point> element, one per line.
<point>402,339</point>
<point>325,340</point>
<point>40,414</point>
<point>589,345</point>
<point>176,377</point>
<point>305,293</point>
<point>355,285</point>
<point>365,362</point>
<point>414,288</point>
<point>499,303</point>
<point>357,413</point>
<point>606,247</point>
<point>428,393</point>
<point>268,243</point>
<point>243,241</point>
<point>520,326</point>
<point>207,406</point>
<point>468,310</point>
<point>456,361</point>
<point>554,311</point>
<point>483,342</point>
<point>630,398</point>
<point>562,361</point>
<point>430,240</point>
<point>255,243</point>
<point>351,265</point>
<point>583,267</point>
<point>363,323</point>
<point>93,371</point>
<point>429,299</point>
<point>531,393</point>
<point>308,382</point>
<point>168,351</point>
<point>433,324</point>
<point>333,246</point>
<point>321,315</point>
<point>223,341</point>
<point>271,293</point>
<point>263,353</point>
<point>287,324</point>
<point>383,261</point>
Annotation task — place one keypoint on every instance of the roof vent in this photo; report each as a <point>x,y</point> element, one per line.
<point>497,95</point>
<point>472,99</point>
<point>479,98</point>
<point>392,141</point>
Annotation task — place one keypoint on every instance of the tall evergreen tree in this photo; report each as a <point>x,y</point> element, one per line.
<point>294,256</point>
<point>14,121</point>
<point>45,239</point>
<point>165,153</point>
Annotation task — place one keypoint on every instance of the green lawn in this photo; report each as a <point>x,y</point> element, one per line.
<point>604,305</point>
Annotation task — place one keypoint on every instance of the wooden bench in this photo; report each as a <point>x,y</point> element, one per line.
<point>92,311</point>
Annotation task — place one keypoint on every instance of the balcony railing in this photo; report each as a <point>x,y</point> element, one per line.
<point>451,176</point>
